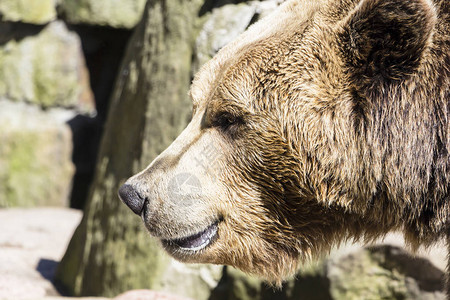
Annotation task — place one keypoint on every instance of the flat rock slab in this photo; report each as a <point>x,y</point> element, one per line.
<point>32,242</point>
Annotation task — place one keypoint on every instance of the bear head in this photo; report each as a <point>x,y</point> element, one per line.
<point>272,169</point>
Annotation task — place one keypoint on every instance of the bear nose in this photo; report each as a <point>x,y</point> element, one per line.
<point>132,198</point>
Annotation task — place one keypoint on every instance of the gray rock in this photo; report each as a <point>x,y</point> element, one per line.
<point>119,14</point>
<point>35,155</point>
<point>30,248</point>
<point>225,24</point>
<point>28,11</point>
<point>237,285</point>
<point>66,298</point>
<point>32,241</point>
<point>384,272</point>
<point>178,278</point>
<point>148,295</point>
<point>46,69</point>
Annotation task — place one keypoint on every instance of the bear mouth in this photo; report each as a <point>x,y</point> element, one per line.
<point>196,241</point>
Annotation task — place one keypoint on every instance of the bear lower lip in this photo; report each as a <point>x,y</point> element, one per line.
<point>196,241</point>
<point>144,210</point>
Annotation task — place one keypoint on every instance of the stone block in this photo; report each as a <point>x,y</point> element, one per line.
<point>35,156</point>
<point>118,14</point>
<point>28,11</point>
<point>46,69</point>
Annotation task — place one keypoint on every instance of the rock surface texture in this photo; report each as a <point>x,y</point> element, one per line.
<point>120,14</point>
<point>36,168</point>
<point>46,69</point>
<point>225,23</point>
<point>32,241</point>
<point>44,83</point>
<point>28,11</point>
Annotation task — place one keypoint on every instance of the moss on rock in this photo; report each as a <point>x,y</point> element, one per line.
<point>35,158</point>
<point>47,69</point>
<point>360,276</point>
<point>119,14</point>
<point>28,11</point>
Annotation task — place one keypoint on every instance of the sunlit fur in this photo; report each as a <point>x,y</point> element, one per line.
<point>342,133</point>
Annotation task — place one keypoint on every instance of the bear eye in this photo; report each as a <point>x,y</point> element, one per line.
<point>227,122</point>
<point>224,120</point>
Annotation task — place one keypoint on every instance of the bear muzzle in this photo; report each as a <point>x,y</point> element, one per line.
<point>189,236</point>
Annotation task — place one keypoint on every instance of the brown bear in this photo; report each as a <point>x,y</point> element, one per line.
<point>325,121</point>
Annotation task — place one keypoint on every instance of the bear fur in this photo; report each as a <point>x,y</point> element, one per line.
<point>325,121</point>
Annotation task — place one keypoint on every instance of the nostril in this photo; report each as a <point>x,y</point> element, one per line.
<point>130,196</point>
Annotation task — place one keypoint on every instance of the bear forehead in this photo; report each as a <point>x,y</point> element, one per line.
<point>255,57</point>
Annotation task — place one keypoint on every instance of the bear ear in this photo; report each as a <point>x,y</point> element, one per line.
<point>384,40</point>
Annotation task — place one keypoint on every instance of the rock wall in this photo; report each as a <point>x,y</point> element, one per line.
<point>56,75</point>
<point>43,84</point>
<point>35,156</point>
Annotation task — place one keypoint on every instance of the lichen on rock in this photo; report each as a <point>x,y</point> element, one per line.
<point>35,156</point>
<point>118,14</point>
<point>28,11</point>
<point>47,69</point>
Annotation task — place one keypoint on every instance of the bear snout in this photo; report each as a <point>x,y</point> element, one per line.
<point>132,197</point>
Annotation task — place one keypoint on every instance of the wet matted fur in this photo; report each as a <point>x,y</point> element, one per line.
<point>327,121</point>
